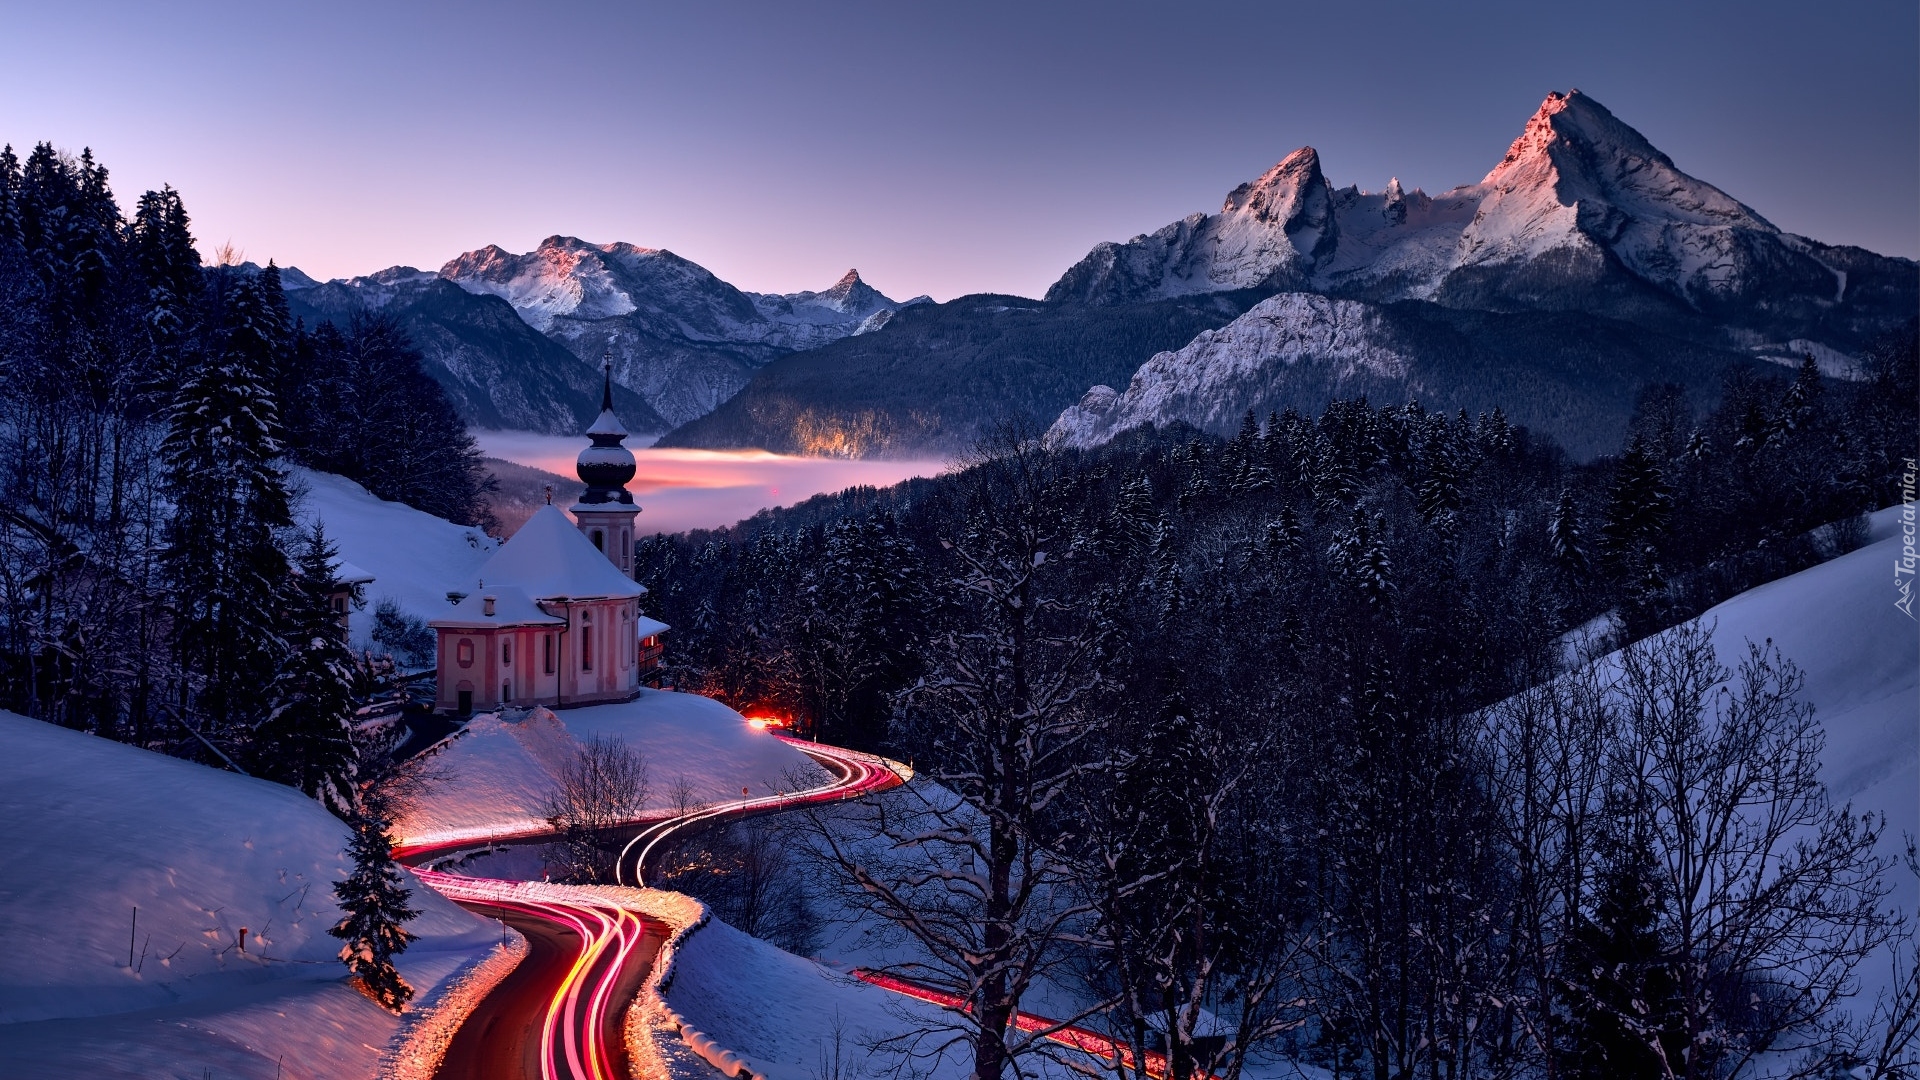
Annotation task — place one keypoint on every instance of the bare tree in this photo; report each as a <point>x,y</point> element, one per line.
<point>1773,894</point>
<point>1188,871</point>
<point>970,862</point>
<point>602,788</point>
<point>1548,750</point>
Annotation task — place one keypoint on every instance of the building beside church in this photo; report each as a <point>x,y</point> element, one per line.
<point>554,618</point>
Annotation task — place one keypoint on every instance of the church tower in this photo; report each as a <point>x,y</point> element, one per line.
<point>606,511</point>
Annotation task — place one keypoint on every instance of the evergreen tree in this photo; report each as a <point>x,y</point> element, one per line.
<point>169,268</point>
<point>306,740</point>
<point>1618,986</point>
<point>1639,503</point>
<point>227,575</point>
<point>1800,405</point>
<point>1359,558</point>
<point>374,913</point>
<point>1567,539</point>
<point>11,239</point>
<point>378,418</point>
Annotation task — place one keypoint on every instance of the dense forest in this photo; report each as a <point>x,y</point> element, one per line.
<point>1293,730</point>
<point>154,584</point>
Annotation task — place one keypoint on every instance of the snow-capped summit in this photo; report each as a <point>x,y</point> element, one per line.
<point>680,337</point>
<point>569,278</point>
<point>1269,232</point>
<point>1582,213</point>
<point>1579,181</point>
<point>850,296</point>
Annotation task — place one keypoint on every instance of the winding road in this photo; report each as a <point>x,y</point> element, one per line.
<point>557,1016</point>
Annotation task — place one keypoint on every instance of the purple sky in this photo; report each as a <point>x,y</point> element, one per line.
<point>940,149</point>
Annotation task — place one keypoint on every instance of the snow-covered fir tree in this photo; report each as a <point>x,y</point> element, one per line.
<point>374,912</point>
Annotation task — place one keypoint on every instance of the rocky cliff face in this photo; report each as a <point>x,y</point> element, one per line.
<point>1247,364</point>
<point>1271,232</point>
<point>1568,375</point>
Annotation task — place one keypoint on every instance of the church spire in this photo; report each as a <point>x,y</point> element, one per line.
<point>606,466</point>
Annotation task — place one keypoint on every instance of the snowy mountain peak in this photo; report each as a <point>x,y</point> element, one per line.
<point>1278,193</point>
<point>848,296</point>
<point>1581,212</point>
<point>1574,145</point>
<point>1269,232</point>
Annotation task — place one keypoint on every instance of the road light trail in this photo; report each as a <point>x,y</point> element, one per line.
<point>856,775</point>
<point>1080,1038</point>
<point>575,1016</point>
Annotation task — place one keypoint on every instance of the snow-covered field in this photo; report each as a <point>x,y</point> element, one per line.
<point>97,828</point>
<point>414,557</point>
<point>493,778</point>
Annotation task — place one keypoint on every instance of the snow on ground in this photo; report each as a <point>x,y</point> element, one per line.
<point>494,777</point>
<point>100,827</point>
<point>414,557</point>
<point>781,1012</point>
<point>1861,659</point>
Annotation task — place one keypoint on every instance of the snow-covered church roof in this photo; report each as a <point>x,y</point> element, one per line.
<point>509,607</point>
<point>548,558</point>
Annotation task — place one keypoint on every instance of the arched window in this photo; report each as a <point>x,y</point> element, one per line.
<point>506,652</point>
<point>599,540</point>
<point>464,653</point>
<point>549,654</point>
<point>586,641</point>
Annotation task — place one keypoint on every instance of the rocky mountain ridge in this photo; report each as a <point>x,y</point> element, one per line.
<point>681,339</point>
<point>1582,213</point>
<point>1582,216</point>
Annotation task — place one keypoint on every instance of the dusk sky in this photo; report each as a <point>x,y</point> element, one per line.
<point>940,149</point>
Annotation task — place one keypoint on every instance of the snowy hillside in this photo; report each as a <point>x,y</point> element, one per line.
<point>1861,659</point>
<point>494,777</point>
<point>783,1013</point>
<point>232,969</point>
<point>414,557</point>
<point>1582,213</point>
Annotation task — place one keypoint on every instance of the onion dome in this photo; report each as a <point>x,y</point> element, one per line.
<point>606,466</point>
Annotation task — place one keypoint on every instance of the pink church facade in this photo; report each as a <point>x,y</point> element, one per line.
<point>555,618</point>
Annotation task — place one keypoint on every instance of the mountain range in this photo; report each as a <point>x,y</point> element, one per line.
<point>518,340</point>
<point>1583,265</point>
<point>1582,218</point>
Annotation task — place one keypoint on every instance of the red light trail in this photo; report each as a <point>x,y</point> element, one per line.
<point>584,1005</point>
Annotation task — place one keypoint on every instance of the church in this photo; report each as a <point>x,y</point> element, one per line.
<point>554,618</point>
